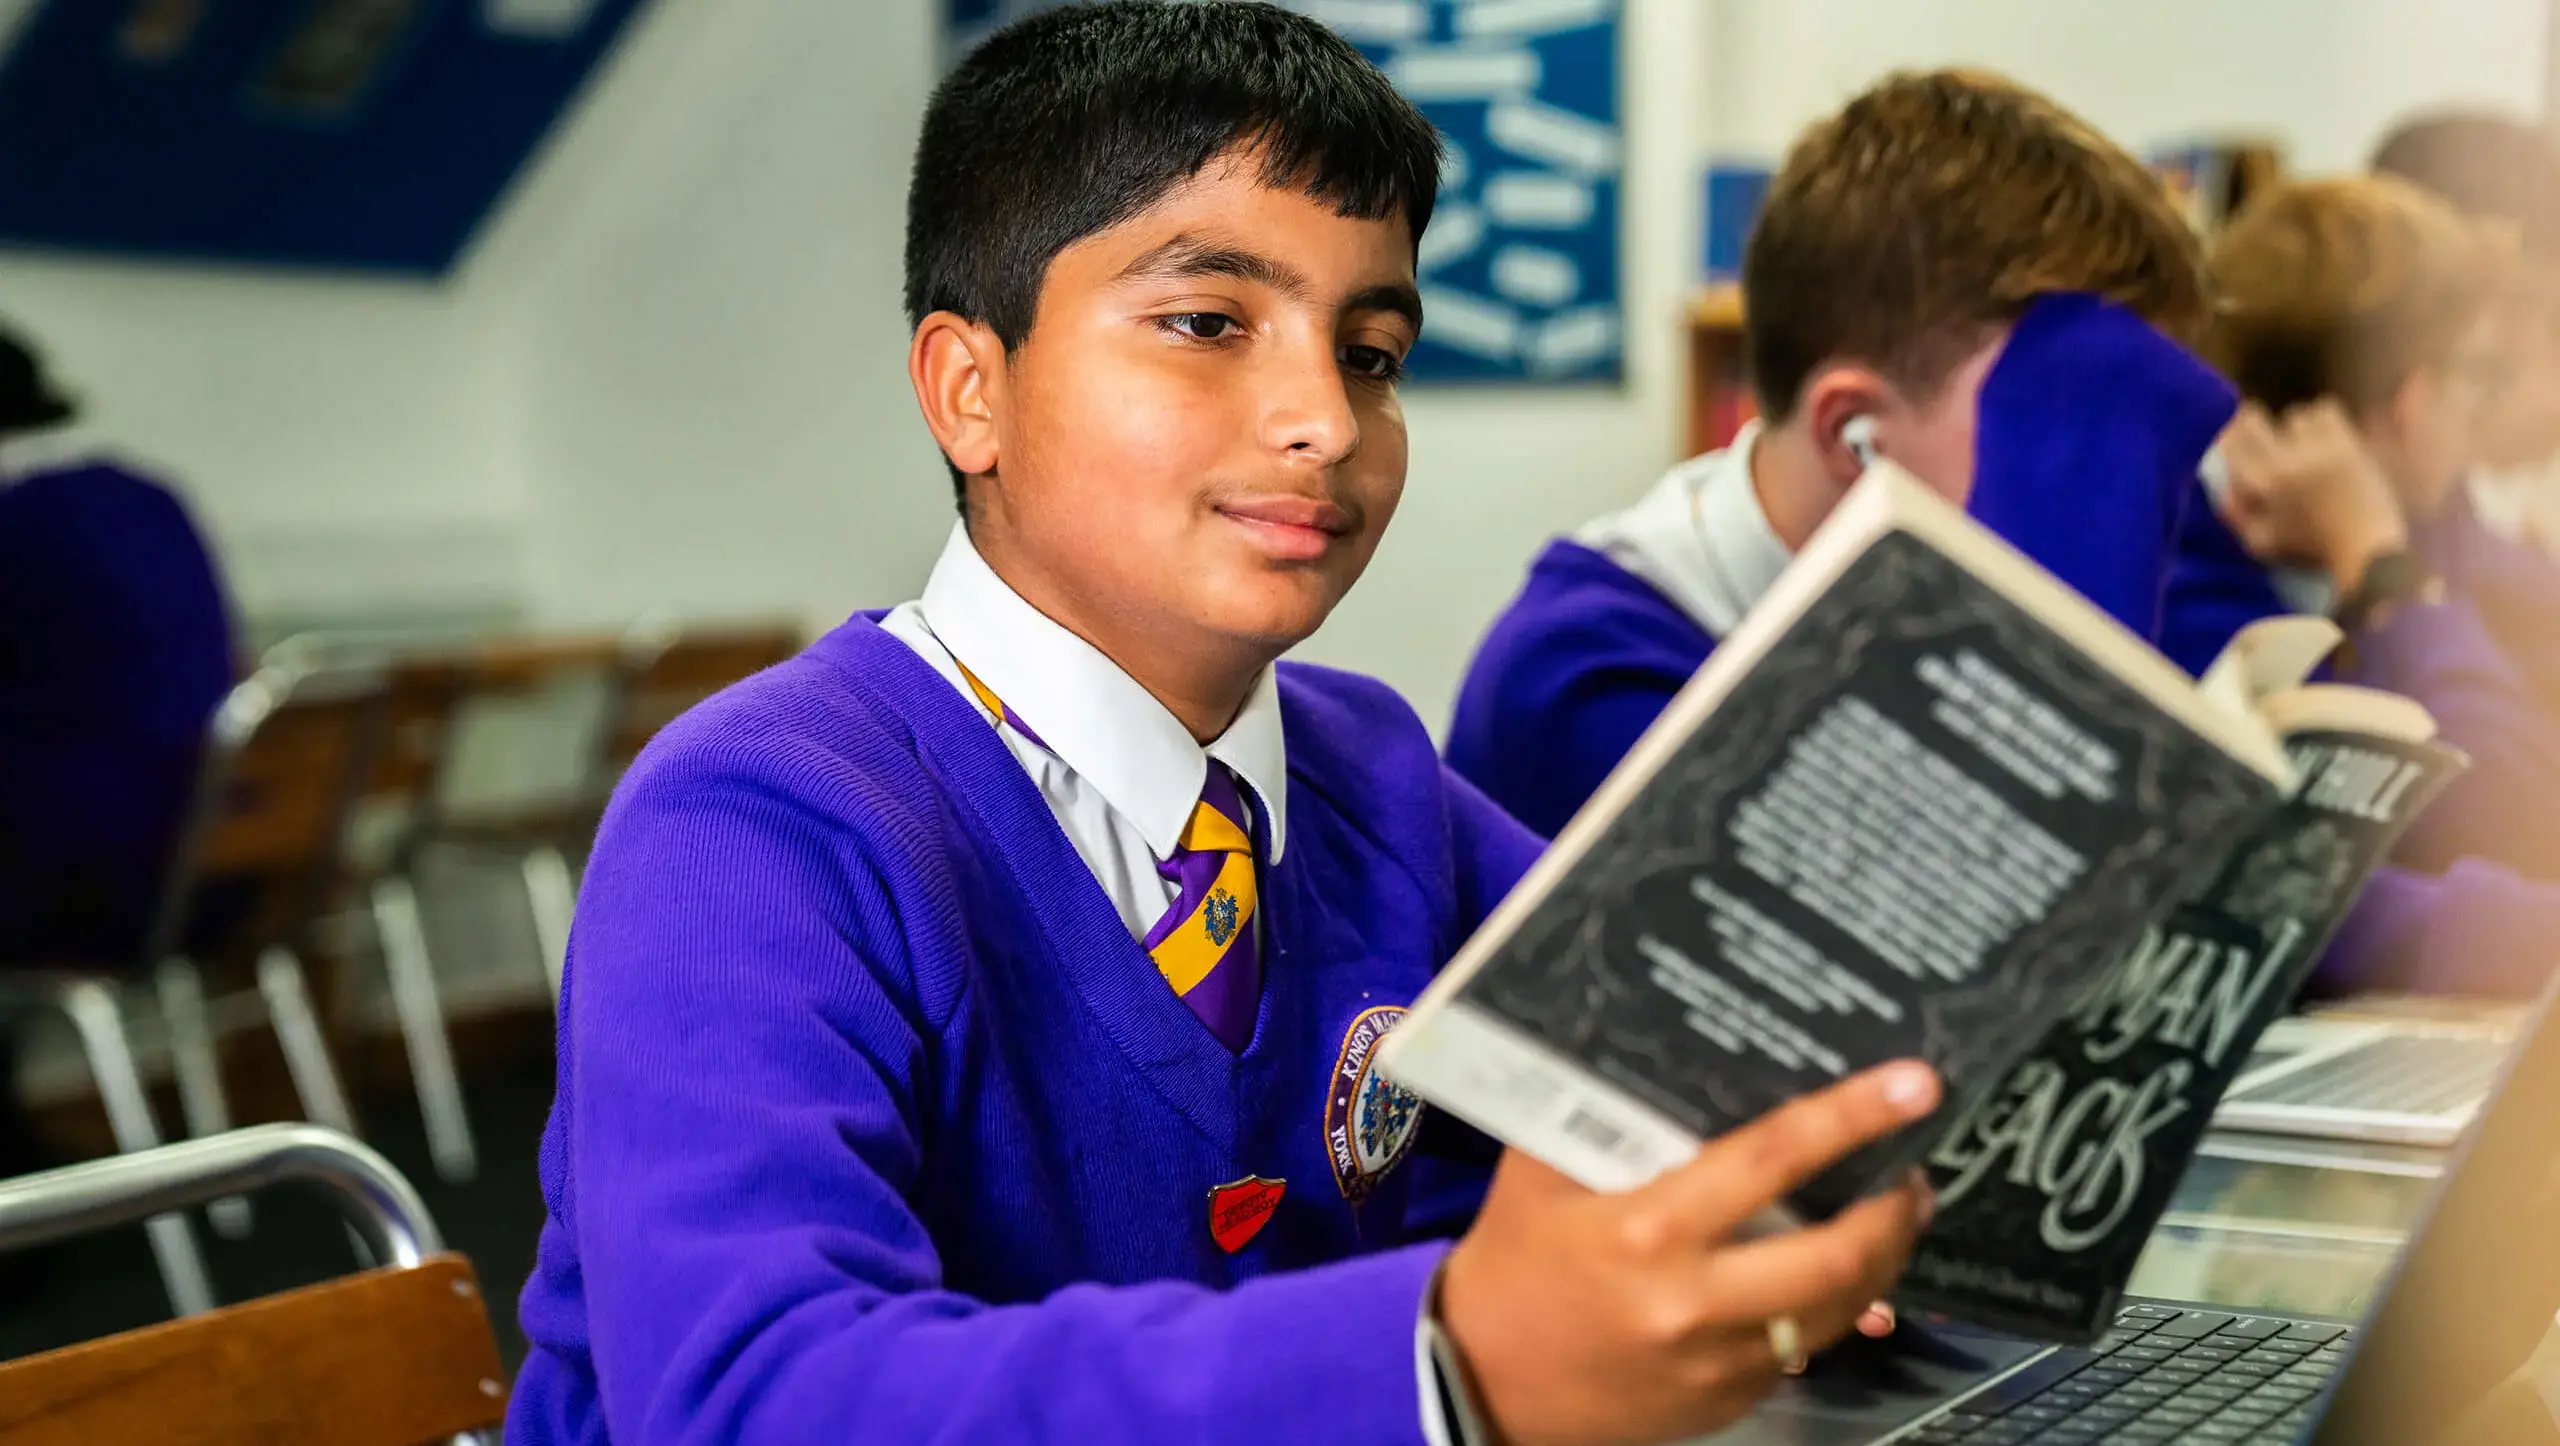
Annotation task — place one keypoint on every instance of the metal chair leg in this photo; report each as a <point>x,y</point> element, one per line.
<point>306,1053</point>
<point>402,936</point>
<point>95,1011</point>
<point>554,897</point>
<point>199,1071</point>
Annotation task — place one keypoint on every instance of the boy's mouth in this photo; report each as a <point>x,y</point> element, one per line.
<point>1298,528</point>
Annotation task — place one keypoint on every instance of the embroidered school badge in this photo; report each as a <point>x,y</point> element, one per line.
<point>1368,1119</point>
<point>1237,1212</point>
<point>1219,918</point>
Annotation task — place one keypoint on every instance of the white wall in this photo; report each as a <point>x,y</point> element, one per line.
<point>2326,77</point>
<point>331,434</point>
<point>705,354</point>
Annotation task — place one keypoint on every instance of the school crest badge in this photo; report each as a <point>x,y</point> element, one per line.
<point>1238,1211</point>
<point>1369,1120</point>
<point>1219,917</point>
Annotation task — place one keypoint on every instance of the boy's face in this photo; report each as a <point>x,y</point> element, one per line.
<point>1933,436</point>
<point>1929,433</point>
<point>2520,422</point>
<point>1199,443</point>
<point>2427,437</point>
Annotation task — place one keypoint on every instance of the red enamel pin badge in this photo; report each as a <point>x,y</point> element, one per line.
<point>1237,1212</point>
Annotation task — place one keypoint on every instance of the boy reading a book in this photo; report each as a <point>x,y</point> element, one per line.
<point>967,1031</point>
<point>2357,316</point>
<point>1887,294</point>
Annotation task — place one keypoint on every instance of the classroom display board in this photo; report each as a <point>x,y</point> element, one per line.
<point>362,135</point>
<point>1520,269</point>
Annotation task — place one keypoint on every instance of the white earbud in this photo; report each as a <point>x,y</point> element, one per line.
<point>1858,434</point>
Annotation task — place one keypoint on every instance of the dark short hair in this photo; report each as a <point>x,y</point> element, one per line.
<point>1072,121</point>
<point>29,400</point>
<point>1936,206</point>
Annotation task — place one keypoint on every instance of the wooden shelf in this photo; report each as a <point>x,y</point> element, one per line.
<point>1717,308</point>
<point>1719,400</point>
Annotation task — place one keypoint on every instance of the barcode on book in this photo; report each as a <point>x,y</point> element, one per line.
<point>1594,1131</point>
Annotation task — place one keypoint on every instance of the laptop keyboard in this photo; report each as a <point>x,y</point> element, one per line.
<point>2416,1074</point>
<point>2162,1375</point>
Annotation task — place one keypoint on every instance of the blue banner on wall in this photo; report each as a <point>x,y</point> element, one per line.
<point>371,135</point>
<point>1520,269</point>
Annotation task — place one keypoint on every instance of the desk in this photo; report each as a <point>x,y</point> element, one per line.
<point>2300,1227</point>
<point>2303,1227</point>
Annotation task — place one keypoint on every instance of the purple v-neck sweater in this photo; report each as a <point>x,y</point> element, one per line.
<point>874,1125</point>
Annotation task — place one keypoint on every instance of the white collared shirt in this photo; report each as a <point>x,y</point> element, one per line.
<point>1699,536</point>
<point>1120,772</point>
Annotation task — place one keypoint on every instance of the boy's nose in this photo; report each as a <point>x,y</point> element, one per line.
<point>1308,415</point>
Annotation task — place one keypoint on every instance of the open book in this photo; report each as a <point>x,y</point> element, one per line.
<point>2049,1187</point>
<point>1920,799</point>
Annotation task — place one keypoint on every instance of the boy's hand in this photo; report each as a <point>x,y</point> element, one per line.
<point>2304,491</point>
<point>1589,1320</point>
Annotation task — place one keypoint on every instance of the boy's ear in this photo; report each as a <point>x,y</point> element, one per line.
<point>957,366</point>
<point>1834,400</point>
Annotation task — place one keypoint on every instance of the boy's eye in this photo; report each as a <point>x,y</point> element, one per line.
<point>1204,325</point>
<point>1374,362</point>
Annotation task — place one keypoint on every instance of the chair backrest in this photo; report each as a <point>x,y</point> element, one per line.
<point>670,672</point>
<point>531,719</point>
<point>289,774</point>
<point>287,750</point>
<point>387,1357</point>
<point>420,697</point>
<point>384,1358</point>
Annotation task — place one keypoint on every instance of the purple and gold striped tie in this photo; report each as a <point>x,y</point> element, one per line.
<point>1205,945</point>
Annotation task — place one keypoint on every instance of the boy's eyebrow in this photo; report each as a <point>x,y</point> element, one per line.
<point>1398,297</point>
<point>1188,255</point>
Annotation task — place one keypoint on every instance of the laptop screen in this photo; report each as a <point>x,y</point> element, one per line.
<point>2475,1292</point>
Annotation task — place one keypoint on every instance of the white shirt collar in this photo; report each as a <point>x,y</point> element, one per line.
<point>1096,718</point>
<point>1699,536</point>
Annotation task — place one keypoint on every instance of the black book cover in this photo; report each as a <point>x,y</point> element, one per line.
<point>2049,1187</point>
<point>1918,827</point>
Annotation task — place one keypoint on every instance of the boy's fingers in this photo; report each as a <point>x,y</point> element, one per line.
<point>1525,1174</point>
<point>1741,1172</point>
<point>2246,442</point>
<point>2325,419</point>
<point>1825,1277</point>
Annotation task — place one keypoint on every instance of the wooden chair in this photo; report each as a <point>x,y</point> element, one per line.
<point>539,826</point>
<point>394,812</point>
<point>646,677</point>
<point>672,669</point>
<point>280,761</point>
<point>392,1356</point>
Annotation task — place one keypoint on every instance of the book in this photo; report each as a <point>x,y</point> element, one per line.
<point>2050,1186</point>
<point>1918,800</point>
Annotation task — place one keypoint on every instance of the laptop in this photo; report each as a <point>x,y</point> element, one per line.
<point>2469,1301</point>
<point>2398,1082</point>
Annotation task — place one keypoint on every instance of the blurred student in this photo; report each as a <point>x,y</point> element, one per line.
<point>2506,173</point>
<point>2359,318</point>
<point>1924,283</point>
<point>967,1026</point>
<point>2071,427</point>
<point>115,649</point>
